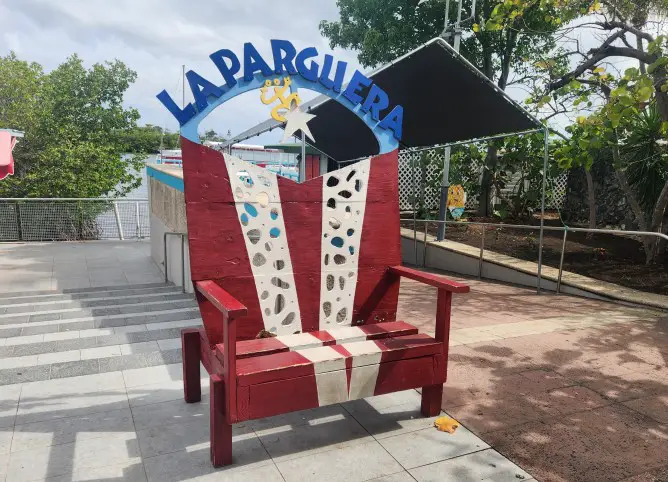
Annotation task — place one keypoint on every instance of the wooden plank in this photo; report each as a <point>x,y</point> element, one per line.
<point>221,299</point>
<point>437,281</point>
<point>284,396</point>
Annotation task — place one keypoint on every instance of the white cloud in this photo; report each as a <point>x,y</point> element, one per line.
<point>156,37</point>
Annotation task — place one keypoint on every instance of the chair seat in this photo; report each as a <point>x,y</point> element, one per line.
<point>345,358</point>
<point>334,336</point>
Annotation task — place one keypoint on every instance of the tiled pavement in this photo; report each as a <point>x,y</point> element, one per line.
<point>568,388</point>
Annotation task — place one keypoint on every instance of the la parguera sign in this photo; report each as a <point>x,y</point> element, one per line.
<point>291,70</point>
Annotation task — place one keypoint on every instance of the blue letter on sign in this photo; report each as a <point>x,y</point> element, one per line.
<point>201,95</point>
<point>283,63</point>
<point>228,72</point>
<point>309,73</point>
<point>357,83</point>
<point>253,62</point>
<point>394,121</point>
<point>376,101</point>
<point>182,116</point>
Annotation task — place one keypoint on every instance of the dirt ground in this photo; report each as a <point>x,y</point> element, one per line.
<point>615,259</point>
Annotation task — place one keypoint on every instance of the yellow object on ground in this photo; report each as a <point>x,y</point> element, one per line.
<point>446,424</point>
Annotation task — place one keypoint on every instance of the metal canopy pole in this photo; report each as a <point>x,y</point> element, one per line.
<point>443,207</point>
<point>302,163</point>
<point>542,211</point>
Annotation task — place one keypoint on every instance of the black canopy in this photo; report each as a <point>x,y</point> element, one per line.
<point>445,100</point>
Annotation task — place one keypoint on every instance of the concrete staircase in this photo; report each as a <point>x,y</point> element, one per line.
<point>49,334</point>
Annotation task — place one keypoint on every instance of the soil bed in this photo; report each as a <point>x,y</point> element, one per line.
<point>615,259</point>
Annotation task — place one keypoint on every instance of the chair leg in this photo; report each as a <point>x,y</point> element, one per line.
<point>431,400</point>
<point>221,430</point>
<point>190,350</point>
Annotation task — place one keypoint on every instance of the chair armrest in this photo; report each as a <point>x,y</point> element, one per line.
<point>221,299</point>
<point>430,279</point>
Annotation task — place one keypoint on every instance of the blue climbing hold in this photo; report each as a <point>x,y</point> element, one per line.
<point>351,231</point>
<point>274,214</point>
<point>274,232</point>
<point>250,209</point>
<point>351,249</point>
<point>337,242</point>
<point>244,219</point>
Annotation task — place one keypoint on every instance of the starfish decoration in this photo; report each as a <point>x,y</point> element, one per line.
<point>297,120</point>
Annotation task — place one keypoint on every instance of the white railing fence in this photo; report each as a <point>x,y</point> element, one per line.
<point>72,219</point>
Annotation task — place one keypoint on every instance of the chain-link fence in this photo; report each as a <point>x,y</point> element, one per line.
<point>73,219</point>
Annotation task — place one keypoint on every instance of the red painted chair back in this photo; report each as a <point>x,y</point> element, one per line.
<point>301,257</point>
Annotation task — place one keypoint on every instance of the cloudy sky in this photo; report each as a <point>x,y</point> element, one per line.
<point>156,37</point>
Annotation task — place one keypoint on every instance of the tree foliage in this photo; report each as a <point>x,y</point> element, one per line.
<point>148,139</point>
<point>73,118</point>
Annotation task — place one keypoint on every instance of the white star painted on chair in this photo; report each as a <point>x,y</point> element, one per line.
<point>296,120</point>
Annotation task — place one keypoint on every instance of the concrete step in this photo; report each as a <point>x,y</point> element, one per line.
<point>37,307</point>
<point>15,294</point>
<point>52,297</point>
<point>54,335</point>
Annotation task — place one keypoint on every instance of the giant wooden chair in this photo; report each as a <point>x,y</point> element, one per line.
<point>297,285</point>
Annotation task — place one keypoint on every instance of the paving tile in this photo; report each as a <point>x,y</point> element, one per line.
<point>175,437</point>
<point>22,340</point>
<point>9,401</point>
<point>101,352</point>
<point>74,368</point>
<point>484,465</point>
<point>58,357</point>
<point>18,362</point>
<point>248,457</point>
<point>145,347</point>
<point>348,464</point>
<point>389,421</point>
<point>144,376</point>
<point>25,374</point>
<point>4,461</point>
<point>72,429</point>
<point>429,446</point>
<point>58,336</point>
<point>60,460</point>
<point>398,477</point>
<point>327,433</point>
<point>6,435</point>
<point>127,472</point>
<point>162,414</point>
<point>123,362</point>
<point>36,348</point>
<point>170,344</point>
<point>161,392</point>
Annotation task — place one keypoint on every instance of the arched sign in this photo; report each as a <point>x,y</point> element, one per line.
<point>291,70</point>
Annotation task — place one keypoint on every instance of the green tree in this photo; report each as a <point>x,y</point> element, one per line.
<point>148,139</point>
<point>212,136</point>
<point>72,117</point>
<point>382,30</point>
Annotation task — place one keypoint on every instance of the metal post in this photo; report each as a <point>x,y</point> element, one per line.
<point>118,222</point>
<point>542,213</point>
<point>482,250</point>
<point>183,263</point>
<point>561,261</point>
<point>443,207</point>
<point>442,210</point>
<point>164,259</point>
<point>302,164</point>
<point>424,250</point>
<point>137,220</point>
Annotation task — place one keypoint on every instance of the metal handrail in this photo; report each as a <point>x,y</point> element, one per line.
<point>116,199</point>
<point>183,257</point>
<point>565,229</point>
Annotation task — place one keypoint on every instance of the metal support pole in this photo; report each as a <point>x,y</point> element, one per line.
<point>443,207</point>
<point>542,213</point>
<point>302,164</point>
<point>164,259</point>
<point>482,251</point>
<point>118,222</point>
<point>183,263</point>
<point>137,220</point>
<point>424,250</point>
<point>561,261</point>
